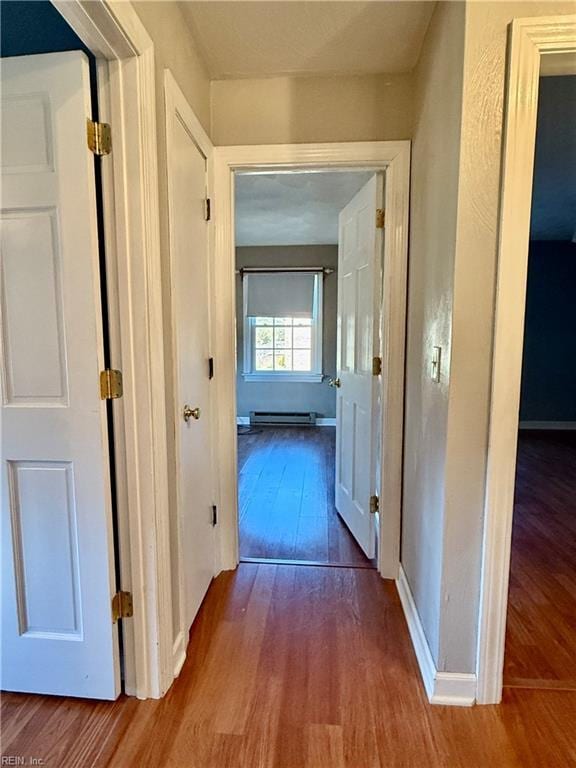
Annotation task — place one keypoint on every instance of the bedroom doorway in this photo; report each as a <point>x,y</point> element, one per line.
<point>308,271</point>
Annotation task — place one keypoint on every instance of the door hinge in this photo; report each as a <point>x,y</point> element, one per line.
<point>207,209</point>
<point>379,218</point>
<point>122,607</point>
<point>376,366</point>
<point>110,384</point>
<point>214,514</point>
<point>210,367</point>
<point>99,137</point>
<point>374,504</point>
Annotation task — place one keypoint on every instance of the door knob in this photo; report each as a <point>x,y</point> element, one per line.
<point>190,412</point>
<point>335,383</point>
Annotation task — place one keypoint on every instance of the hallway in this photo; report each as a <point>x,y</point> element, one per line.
<point>286,497</point>
<point>295,667</point>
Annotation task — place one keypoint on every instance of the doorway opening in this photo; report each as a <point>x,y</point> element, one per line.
<point>308,311</point>
<point>541,635</point>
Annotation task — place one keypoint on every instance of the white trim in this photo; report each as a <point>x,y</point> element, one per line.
<point>113,31</point>
<point>530,40</point>
<point>447,688</point>
<point>394,157</point>
<point>454,689</point>
<point>419,642</point>
<point>551,425</point>
<point>285,378</point>
<point>242,421</point>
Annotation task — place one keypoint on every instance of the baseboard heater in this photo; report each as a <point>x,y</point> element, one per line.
<point>306,418</point>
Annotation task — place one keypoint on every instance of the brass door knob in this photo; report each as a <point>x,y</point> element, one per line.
<point>335,383</point>
<point>188,413</point>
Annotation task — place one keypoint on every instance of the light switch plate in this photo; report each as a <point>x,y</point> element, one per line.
<point>435,365</point>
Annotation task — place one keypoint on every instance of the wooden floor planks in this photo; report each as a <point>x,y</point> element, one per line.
<point>541,630</point>
<point>312,667</point>
<point>295,667</point>
<point>286,497</point>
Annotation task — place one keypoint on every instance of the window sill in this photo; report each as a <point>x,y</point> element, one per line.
<point>294,378</point>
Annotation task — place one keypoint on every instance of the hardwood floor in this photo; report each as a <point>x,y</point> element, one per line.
<point>541,629</point>
<point>286,497</point>
<point>295,667</point>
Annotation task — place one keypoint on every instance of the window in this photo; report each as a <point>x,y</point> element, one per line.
<point>286,344</point>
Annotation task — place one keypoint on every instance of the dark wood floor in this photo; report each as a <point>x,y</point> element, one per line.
<point>541,630</point>
<point>295,667</point>
<point>286,497</point>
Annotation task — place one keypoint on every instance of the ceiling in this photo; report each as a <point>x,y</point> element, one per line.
<point>293,208</point>
<point>554,190</point>
<point>263,39</point>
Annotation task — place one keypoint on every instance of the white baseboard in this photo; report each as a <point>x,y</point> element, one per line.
<point>178,653</point>
<point>547,425</point>
<point>448,688</point>
<point>245,421</point>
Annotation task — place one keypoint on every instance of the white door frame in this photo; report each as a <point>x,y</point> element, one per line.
<point>536,44</point>
<point>125,52</point>
<point>176,104</point>
<point>394,158</point>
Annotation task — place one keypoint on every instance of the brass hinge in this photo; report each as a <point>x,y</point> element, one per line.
<point>374,504</point>
<point>376,366</point>
<point>99,137</point>
<point>122,607</point>
<point>379,218</point>
<point>207,209</point>
<point>110,384</point>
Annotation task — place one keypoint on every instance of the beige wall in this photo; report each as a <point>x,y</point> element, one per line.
<point>312,109</point>
<point>435,162</point>
<point>460,84</point>
<point>174,49</point>
<point>473,317</point>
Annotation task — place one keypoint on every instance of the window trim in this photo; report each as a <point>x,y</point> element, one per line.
<point>314,376</point>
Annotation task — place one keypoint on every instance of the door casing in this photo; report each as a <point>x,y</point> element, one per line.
<point>535,45</point>
<point>126,91</point>
<point>394,158</point>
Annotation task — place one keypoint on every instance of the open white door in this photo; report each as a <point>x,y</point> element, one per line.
<point>187,169</point>
<point>57,542</point>
<point>359,289</point>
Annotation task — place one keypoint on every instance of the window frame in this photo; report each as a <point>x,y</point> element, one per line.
<point>315,375</point>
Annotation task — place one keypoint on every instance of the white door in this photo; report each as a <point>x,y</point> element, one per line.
<point>190,306</point>
<point>57,544</point>
<point>359,290</point>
